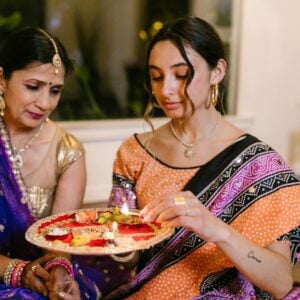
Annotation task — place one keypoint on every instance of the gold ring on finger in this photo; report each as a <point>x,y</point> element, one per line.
<point>179,201</point>
<point>34,267</point>
<point>61,295</point>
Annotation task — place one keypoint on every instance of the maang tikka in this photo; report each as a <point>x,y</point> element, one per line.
<point>56,60</point>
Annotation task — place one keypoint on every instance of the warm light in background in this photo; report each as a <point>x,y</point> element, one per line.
<point>143,35</point>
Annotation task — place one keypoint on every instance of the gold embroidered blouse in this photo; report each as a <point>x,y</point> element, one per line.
<point>63,151</point>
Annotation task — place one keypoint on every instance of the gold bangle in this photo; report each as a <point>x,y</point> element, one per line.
<point>8,271</point>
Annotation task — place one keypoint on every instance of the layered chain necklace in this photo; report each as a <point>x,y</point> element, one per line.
<point>190,150</point>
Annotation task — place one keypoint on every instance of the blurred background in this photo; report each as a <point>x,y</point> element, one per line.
<point>107,41</point>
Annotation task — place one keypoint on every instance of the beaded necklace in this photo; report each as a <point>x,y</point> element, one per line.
<point>14,158</point>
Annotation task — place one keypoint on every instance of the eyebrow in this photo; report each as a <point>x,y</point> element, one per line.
<point>43,82</point>
<point>173,66</point>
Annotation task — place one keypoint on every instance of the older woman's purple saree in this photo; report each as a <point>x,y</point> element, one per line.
<point>15,218</point>
<point>94,274</point>
<point>247,183</point>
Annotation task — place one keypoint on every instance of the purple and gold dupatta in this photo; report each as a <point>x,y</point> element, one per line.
<point>15,218</point>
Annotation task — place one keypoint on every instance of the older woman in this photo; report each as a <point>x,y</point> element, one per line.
<point>42,167</point>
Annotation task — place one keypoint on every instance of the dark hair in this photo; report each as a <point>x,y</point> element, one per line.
<point>186,31</point>
<point>29,45</point>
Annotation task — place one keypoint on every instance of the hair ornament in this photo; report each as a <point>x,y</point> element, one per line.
<point>56,60</point>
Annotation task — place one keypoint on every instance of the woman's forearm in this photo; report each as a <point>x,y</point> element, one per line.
<point>267,268</point>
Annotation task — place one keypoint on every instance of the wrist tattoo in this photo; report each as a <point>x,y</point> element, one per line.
<point>251,255</point>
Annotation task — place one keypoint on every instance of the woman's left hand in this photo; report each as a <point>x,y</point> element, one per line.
<point>184,209</point>
<point>34,275</point>
<point>62,286</point>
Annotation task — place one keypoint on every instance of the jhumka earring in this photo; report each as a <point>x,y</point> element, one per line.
<point>214,94</point>
<point>2,104</point>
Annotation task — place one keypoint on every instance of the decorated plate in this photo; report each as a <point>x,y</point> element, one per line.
<point>96,232</point>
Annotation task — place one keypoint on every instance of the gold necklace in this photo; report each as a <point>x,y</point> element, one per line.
<point>17,152</point>
<point>190,150</point>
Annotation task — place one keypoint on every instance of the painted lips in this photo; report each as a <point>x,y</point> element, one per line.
<point>36,116</point>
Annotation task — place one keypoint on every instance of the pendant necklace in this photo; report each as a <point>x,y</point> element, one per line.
<point>17,157</point>
<point>190,150</point>
<point>16,162</point>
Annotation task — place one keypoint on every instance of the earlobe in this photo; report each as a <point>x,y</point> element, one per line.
<point>218,72</point>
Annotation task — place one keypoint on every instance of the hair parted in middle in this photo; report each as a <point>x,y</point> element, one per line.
<point>188,31</point>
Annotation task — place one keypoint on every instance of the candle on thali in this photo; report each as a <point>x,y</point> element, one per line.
<point>125,210</point>
<point>111,235</point>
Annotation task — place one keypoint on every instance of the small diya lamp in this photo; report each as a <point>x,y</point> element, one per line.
<point>111,235</point>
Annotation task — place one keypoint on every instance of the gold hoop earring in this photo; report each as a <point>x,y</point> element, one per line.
<point>2,104</point>
<point>214,94</point>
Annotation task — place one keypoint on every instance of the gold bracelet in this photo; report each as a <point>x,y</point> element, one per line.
<point>123,258</point>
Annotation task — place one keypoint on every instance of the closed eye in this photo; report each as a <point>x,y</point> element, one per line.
<point>56,90</point>
<point>156,78</point>
<point>185,76</point>
<point>32,87</point>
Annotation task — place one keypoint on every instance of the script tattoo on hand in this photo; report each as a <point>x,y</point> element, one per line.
<point>251,255</point>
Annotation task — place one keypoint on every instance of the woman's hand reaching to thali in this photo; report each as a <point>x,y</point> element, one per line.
<point>184,209</point>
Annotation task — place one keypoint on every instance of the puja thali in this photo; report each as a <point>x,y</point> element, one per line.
<point>96,232</point>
